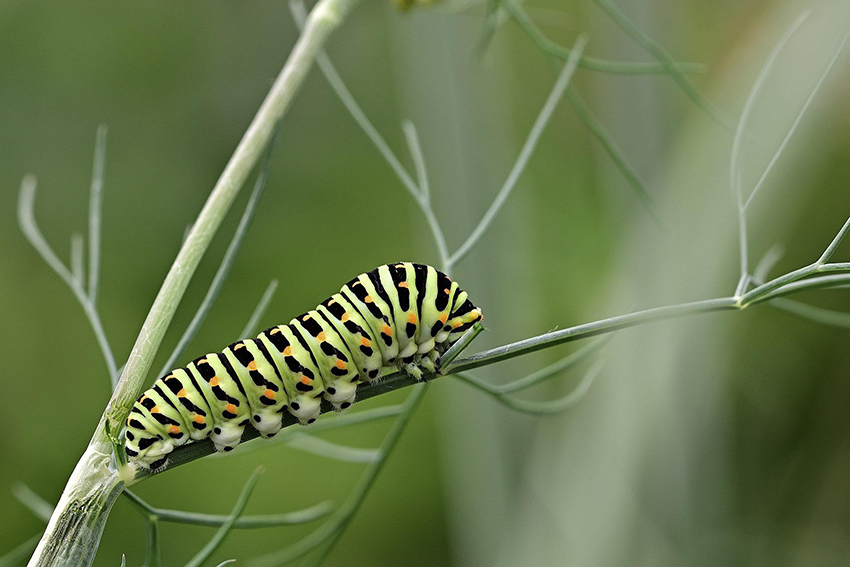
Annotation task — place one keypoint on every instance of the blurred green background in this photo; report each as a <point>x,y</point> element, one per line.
<point>716,440</point>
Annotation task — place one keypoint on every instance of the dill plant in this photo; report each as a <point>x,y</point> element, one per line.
<point>75,524</point>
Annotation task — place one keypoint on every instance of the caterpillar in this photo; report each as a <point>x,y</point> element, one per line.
<point>398,316</point>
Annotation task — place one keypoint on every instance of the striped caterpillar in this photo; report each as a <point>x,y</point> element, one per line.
<point>398,316</point>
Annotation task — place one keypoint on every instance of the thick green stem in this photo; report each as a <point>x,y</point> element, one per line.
<point>74,531</point>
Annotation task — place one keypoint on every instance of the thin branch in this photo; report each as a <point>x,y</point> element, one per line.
<point>19,553</point>
<point>460,345</point>
<point>612,149</point>
<point>527,149</point>
<point>669,64</point>
<point>153,553</point>
<point>420,192</point>
<point>228,259</point>
<point>26,219</point>
<point>812,313</point>
<point>222,532</point>
<point>412,138</point>
<point>594,63</point>
<point>77,257</point>
<point>424,189</point>
<point>797,120</point>
<point>41,508</point>
<point>830,250</point>
<point>95,207</point>
<point>789,282</point>
<point>812,283</point>
<point>317,446</point>
<point>586,330</point>
<point>548,372</point>
<point>331,530</point>
<point>299,14</point>
<point>244,522</point>
<point>259,310</point>
<point>767,263</point>
<point>737,143</point>
<point>549,407</point>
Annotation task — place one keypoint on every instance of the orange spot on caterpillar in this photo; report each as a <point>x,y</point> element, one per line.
<point>269,394</point>
<point>457,324</point>
<point>403,284</point>
<point>332,302</point>
<point>240,345</point>
<point>340,364</point>
<point>287,351</point>
<point>386,330</point>
<point>274,331</point>
<point>412,318</point>
<point>368,299</point>
<point>214,381</point>
<point>231,408</point>
<point>305,380</point>
<point>322,336</point>
<point>174,429</point>
<point>252,365</point>
<point>198,419</point>
<point>365,342</point>
<point>182,393</point>
<point>345,317</point>
<point>443,317</point>
<point>155,409</point>
<point>446,291</point>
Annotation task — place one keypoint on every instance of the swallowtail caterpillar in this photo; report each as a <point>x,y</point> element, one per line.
<point>398,316</point>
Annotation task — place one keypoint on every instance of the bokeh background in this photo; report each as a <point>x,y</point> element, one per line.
<point>714,440</point>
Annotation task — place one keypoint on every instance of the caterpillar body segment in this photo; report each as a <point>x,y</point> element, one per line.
<point>398,316</point>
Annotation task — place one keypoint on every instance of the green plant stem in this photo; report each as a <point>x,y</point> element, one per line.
<point>225,528</point>
<point>775,159</point>
<point>243,522</point>
<point>95,206</point>
<point>669,64</point>
<point>561,85</point>
<point>612,149</point>
<point>586,61</point>
<point>226,261</point>
<point>70,538</point>
<point>735,181</point>
<point>260,310</point>
<point>26,219</point>
<point>330,531</point>
<point>153,554</point>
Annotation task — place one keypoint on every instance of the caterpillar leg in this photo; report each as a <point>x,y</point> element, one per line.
<point>413,370</point>
<point>305,408</point>
<point>429,362</point>
<point>226,436</point>
<point>341,393</point>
